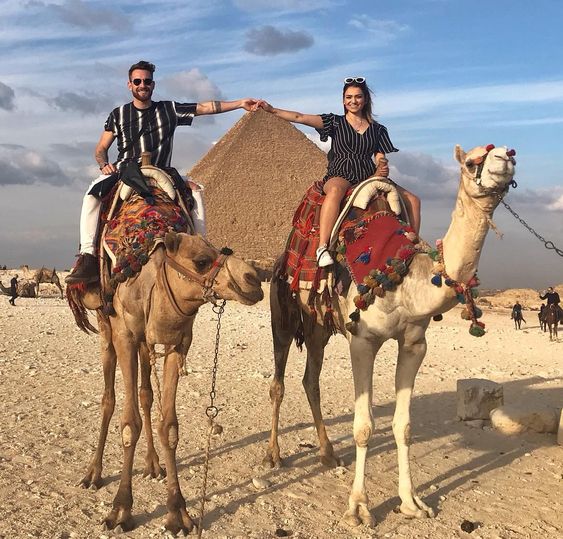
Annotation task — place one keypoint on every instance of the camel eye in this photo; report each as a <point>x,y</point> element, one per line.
<point>469,163</point>
<point>202,263</point>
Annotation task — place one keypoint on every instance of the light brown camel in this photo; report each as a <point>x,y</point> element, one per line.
<point>42,275</point>
<point>403,315</point>
<point>25,289</point>
<point>157,307</point>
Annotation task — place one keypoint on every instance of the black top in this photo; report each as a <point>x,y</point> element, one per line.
<point>351,153</point>
<point>156,126</point>
<point>13,283</point>
<point>552,297</point>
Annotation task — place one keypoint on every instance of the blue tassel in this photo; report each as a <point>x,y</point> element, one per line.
<point>460,298</point>
<point>362,288</point>
<point>436,280</point>
<point>364,257</point>
<point>449,282</point>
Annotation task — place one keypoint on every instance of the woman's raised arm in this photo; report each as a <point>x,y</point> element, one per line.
<point>312,120</point>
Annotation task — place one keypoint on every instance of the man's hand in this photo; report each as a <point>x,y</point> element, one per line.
<point>264,105</point>
<point>248,103</point>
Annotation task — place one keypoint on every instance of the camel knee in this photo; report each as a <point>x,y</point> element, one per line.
<point>402,432</point>
<point>130,434</point>
<point>169,435</point>
<point>277,391</point>
<point>362,434</point>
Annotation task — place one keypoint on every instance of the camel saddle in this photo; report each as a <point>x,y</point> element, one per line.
<point>372,240</point>
<point>132,228</point>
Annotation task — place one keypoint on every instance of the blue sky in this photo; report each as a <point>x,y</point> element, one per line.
<point>443,72</point>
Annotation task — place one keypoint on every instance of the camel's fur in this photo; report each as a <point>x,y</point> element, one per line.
<point>144,318</point>
<point>403,315</point>
<point>551,318</point>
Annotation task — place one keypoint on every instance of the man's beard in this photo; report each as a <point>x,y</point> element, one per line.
<point>145,96</point>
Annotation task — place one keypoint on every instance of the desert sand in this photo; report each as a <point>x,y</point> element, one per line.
<point>510,487</point>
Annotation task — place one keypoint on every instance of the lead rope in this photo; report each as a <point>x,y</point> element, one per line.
<point>211,412</point>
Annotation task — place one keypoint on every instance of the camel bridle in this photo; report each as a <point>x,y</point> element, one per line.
<point>206,280</point>
<point>480,162</point>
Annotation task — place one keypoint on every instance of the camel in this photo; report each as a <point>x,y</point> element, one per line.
<point>157,306</point>
<point>42,275</point>
<point>25,289</point>
<point>404,315</point>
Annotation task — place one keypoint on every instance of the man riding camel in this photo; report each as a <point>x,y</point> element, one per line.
<point>552,298</point>
<point>140,126</point>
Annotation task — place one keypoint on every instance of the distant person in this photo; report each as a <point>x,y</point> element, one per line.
<point>140,126</point>
<point>13,290</point>
<point>552,298</point>
<point>357,151</point>
<point>517,312</point>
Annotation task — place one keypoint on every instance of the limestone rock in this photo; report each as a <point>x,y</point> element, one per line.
<point>476,398</point>
<point>513,420</point>
<point>560,429</point>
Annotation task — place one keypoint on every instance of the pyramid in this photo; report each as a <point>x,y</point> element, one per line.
<point>254,178</point>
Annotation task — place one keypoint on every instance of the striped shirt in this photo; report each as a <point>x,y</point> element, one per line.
<point>155,125</point>
<point>351,153</point>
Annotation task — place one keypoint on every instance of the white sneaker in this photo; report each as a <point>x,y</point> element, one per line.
<point>323,257</point>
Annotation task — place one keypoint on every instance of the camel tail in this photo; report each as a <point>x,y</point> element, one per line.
<point>74,298</point>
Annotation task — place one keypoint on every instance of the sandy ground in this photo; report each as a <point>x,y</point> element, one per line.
<point>49,419</point>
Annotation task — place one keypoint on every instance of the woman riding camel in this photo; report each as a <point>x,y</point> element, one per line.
<point>357,139</point>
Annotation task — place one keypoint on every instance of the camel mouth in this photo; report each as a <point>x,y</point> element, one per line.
<point>246,298</point>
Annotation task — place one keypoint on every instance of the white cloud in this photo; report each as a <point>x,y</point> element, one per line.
<point>283,5</point>
<point>7,96</point>
<point>384,31</point>
<point>191,85</point>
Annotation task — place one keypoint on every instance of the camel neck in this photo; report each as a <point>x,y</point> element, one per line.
<point>465,237</point>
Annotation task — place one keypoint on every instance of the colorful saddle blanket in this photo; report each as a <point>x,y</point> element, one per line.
<point>373,245</point>
<point>136,229</point>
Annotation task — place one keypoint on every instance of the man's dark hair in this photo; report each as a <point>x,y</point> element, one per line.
<point>141,64</point>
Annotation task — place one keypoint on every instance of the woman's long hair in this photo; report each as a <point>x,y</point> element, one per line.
<point>367,110</point>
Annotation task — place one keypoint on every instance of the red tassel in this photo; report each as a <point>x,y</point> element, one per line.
<point>489,147</point>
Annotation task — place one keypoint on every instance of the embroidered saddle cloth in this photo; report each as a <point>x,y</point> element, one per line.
<point>133,231</point>
<point>371,242</point>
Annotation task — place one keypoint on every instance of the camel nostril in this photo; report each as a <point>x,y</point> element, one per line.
<point>252,279</point>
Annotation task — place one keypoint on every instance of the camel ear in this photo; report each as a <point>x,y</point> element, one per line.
<point>459,154</point>
<point>172,242</point>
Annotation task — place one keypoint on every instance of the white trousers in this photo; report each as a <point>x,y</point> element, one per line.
<point>89,218</point>
<point>90,215</point>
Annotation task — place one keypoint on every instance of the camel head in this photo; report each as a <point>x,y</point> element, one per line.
<point>486,170</point>
<point>199,265</point>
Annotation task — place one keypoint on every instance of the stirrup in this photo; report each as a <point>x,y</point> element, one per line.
<point>323,257</point>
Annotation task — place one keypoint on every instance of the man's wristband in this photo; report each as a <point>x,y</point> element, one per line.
<point>104,165</point>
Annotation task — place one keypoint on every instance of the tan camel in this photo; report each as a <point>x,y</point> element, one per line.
<point>25,289</point>
<point>403,315</point>
<point>42,275</point>
<point>157,307</point>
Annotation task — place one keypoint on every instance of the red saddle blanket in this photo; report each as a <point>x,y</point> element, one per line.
<point>132,234</point>
<point>373,244</point>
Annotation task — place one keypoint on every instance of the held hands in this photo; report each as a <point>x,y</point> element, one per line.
<point>249,103</point>
<point>264,105</point>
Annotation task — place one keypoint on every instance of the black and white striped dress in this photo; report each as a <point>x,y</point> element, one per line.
<point>156,126</point>
<point>351,153</point>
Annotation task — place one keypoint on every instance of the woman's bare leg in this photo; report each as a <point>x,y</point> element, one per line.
<point>335,189</point>
<point>412,202</point>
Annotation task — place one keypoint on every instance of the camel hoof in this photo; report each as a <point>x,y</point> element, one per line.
<point>91,482</point>
<point>414,512</point>
<point>351,519</point>
<point>179,522</point>
<point>119,520</point>
<point>366,517</point>
<point>270,462</point>
<point>331,461</point>
<point>154,473</point>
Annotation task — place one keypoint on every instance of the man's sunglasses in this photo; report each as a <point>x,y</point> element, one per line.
<point>359,80</point>
<point>147,82</point>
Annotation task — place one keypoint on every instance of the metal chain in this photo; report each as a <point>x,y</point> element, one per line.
<point>547,244</point>
<point>211,412</point>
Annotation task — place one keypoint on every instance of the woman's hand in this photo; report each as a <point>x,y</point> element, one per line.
<point>264,105</point>
<point>382,167</point>
<point>108,168</point>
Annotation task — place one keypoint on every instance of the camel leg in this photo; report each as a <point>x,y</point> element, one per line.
<point>131,424</point>
<point>282,335</point>
<point>316,338</point>
<point>93,477</point>
<point>152,465</point>
<point>58,285</point>
<point>412,349</point>
<point>362,354</point>
<point>177,519</point>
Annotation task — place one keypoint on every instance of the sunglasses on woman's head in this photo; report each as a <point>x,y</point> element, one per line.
<point>359,80</point>
<point>137,82</point>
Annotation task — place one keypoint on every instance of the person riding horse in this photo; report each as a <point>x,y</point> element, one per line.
<point>552,298</point>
